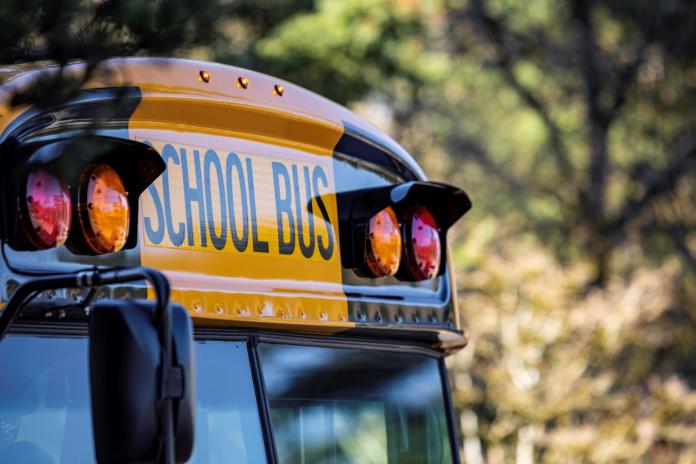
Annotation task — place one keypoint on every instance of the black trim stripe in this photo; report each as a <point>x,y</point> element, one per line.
<point>358,144</point>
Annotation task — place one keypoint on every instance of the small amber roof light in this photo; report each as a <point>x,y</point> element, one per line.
<point>383,245</point>
<point>204,76</point>
<point>104,208</point>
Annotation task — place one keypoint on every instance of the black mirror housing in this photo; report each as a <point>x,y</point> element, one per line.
<point>125,368</point>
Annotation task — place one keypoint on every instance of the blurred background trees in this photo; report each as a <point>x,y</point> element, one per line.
<point>572,125</point>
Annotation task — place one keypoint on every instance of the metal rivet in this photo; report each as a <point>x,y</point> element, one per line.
<point>204,76</point>
<point>278,90</point>
<point>242,82</point>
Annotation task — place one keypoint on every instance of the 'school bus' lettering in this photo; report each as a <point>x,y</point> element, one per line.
<point>233,202</point>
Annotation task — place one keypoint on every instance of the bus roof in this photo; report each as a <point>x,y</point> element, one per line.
<point>182,78</point>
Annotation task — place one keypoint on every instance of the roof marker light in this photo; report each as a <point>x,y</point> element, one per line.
<point>45,210</point>
<point>383,243</point>
<point>104,209</point>
<point>278,90</point>
<point>204,76</point>
<point>242,82</point>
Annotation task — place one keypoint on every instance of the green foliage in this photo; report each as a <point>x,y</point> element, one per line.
<point>57,32</point>
<point>344,50</point>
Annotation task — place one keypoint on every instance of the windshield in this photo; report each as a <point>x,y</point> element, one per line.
<point>327,405</point>
<point>351,406</point>
<point>45,410</point>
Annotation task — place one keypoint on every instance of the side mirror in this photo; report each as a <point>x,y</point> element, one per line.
<point>125,362</point>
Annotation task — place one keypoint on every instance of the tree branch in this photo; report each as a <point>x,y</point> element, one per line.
<point>497,34</point>
<point>625,80</point>
<point>678,234</point>
<point>521,187</point>
<point>657,184</point>
<point>593,198</point>
<point>474,151</point>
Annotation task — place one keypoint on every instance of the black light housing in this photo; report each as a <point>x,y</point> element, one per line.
<point>137,164</point>
<point>444,202</point>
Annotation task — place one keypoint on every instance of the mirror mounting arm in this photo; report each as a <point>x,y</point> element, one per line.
<point>172,383</point>
<point>171,379</point>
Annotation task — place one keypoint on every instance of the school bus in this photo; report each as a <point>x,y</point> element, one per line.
<point>202,263</point>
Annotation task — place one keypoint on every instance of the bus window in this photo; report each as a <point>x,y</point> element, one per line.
<point>345,406</point>
<point>45,411</point>
<point>227,417</point>
<point>44,400</point>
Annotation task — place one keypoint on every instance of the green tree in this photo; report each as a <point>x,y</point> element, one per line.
<point>612,86</point>
<point>58,32</point>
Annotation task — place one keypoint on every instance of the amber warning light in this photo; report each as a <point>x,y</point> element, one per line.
<point>383,248</point>
<point>104,210</point>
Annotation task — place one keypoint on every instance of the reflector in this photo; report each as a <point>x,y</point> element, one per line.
<point>104,210</point>
<point>424,250</point>
<point>383,244</point>
<point>45,210</point>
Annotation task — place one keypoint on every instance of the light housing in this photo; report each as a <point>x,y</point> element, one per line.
<point>443,205</point>
<point>422,245</point>
<point>383,243</point>
<point>137,163</point>
<point>103,209</point>
<point>45,209</point>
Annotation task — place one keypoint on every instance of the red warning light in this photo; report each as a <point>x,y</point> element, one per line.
<point>45,210</point>
<point>424,248</point>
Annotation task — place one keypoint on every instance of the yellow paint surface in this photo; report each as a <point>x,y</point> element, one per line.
<point>224,259</point>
